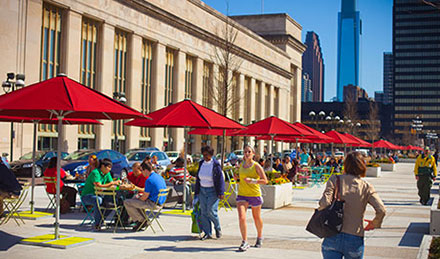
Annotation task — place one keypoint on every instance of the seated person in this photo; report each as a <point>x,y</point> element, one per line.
<point>146,199</point>
<point>267,167</point>
<point>304,158</point>
<point>93,164</point>
<point>176,178</point>
<point>67,192</point>
<point>293,171</point>
<point>287,165</point>
<point>278,166</point>
<point>136,178</point>
<point>99,177</point>
<point>332,163</point>
<point>9,186</point>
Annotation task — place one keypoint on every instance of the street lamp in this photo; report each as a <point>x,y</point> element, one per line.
<point>9,86</point>
<point>118,96</point>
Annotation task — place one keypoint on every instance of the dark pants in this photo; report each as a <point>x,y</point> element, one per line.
<point>69,194</point>
<point>424,185</point>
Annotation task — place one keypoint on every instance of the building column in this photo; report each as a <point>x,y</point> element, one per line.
<point>177,134</point>
<point>252,107</point>
<point>197,96</point>
<point>105,81</point>
<point>214,82</point>
<point>262,102</point>
<point>271,101</point>
<point>133,87</point>
<point>241,107</point>
<point>157,90</point>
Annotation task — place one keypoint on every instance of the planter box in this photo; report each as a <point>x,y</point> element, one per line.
<point>373,171</point>
<point>434,224</point>
<point>274,196</point>
<point>424,247</point>
<point>387,167</point>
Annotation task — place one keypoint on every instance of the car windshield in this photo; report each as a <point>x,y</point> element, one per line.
<point>28,156</point>
<point>79,155</point>
<point>137,156</point>
<point>173,154</point>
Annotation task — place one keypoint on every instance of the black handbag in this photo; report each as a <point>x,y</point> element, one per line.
<point>328,222</point>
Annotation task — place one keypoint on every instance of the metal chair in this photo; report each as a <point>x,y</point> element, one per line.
<point>110,192</point>
<point>154,213</point>
<point>89,212</point>
<point>13,204</point>
<point>49,180</point>
<point>232,187</point>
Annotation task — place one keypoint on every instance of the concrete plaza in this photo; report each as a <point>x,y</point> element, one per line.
<point>284,230</point>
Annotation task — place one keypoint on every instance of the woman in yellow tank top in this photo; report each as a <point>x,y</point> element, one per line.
<point>251,176</point>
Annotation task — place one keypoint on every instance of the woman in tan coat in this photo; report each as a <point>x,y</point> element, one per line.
<point>356,193</point>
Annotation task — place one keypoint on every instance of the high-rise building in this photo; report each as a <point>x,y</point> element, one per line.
<point>388,77</point>
<point>354,93</point>
<point>313,65</point>
<point>306,88</point>
<point>349,31</point>
<point>416,49</point>
<point>379,96</point>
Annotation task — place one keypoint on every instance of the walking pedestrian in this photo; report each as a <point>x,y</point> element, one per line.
<point>249,193</point>
<point>210,188</point>
<point>356,193</point>
<point>425,171</point>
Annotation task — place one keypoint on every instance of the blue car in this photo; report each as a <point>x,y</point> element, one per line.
<point>77,162</point>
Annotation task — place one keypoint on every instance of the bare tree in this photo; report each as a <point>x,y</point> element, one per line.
<point>350,111</point>
<point>373,122</point>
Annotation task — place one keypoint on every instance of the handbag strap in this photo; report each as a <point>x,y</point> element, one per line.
<point>337,192</point>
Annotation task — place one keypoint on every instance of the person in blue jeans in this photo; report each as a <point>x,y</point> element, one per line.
<point>210,188</point>
<point>356,193</point>
<point>99,177</point>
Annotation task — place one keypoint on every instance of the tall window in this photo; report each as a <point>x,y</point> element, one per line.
<point>169,74</point>
<point>49,65</point>
<point>119,76</point>
<point>293,94</point>
<point>246,111</point>
<point>267,95</point>
<point>257,100</point>
<point>234,98</point>
<point>189,77</point>
<point>89,38</point>
<point>147,62</point>
<point>206,85</point>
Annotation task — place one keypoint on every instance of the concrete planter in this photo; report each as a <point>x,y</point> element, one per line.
<point>424,247</point>
<point>434,224</point>
<point>387,166</point>
<point>274,196</point>
<point>373,171</point>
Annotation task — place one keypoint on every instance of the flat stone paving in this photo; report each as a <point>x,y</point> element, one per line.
<point>284,230</point>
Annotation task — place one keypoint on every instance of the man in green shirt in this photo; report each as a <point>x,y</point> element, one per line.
<point>99,177</point>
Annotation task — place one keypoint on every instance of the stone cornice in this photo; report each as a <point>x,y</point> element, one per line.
<point>172,20</point>
<point>286,39</point>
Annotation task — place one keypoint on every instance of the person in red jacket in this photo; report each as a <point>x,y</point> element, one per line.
<point>67,192</point>
<point>137,178</point>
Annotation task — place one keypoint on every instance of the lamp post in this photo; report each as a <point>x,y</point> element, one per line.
<point>9,86</point>
<point>120,97</point>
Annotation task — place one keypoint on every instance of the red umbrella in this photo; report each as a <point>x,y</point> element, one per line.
<point>316,137</point>
<point>45,121</point>
<point>211,132</point>
<point>339,138</point>
<point>273,126</point>
<point>384,144</point>
<point>187,114</point>
<point>361,143</point>
<point>61,97</point>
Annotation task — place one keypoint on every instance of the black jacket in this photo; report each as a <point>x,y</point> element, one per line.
<point>8,181</point>
<point>219,179</point>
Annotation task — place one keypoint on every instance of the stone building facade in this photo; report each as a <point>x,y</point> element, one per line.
<point>157,52</point>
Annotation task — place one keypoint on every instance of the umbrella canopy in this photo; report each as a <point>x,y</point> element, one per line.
<point>62,96</point>
<point>273,126</point>
<point>316,137</point>
<point>384,144</point>
<point>47,121</point>
<point>411,147</point>
<point>339,138</point>
<point>361,143</point>
<point>211,132</point>
<point>186,114</point>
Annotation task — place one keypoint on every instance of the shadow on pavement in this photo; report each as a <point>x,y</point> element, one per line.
<point>414,234</point>
<point>158,238</point>
<point>8,240</point>
<point>191,249</point>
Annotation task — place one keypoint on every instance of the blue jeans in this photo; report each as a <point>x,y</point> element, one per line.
<point>90,199</point>
<point>208,207</point>
<point>343,245</point>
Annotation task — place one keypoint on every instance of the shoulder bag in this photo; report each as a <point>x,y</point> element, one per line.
<point>328,222</point>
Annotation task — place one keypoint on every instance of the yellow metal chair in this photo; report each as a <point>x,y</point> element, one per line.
<point>111,192</point>
<point>224,203</point>
<point>52,196</point>
<point>13,204</point>
<point>154,213</point>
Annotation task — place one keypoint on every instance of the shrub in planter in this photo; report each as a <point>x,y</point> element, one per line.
<point>434,249</point>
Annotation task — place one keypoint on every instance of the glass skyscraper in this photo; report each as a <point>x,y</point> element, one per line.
<point>349,31</point>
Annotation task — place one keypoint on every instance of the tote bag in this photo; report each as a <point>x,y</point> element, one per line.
<point>328,222</point>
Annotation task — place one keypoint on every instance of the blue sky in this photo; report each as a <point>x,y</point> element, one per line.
<point>321,16</point>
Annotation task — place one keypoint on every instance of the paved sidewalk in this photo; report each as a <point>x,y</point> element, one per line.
<point>284,230</point>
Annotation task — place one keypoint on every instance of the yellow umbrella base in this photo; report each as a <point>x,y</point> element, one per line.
<point>33,216</point>
<point>63,242</point>
<point>177,212</point>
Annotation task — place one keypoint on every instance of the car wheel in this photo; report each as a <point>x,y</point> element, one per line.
<point>38,171</point>
<point>123,174</point>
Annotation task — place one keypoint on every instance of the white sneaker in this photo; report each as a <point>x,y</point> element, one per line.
<point>244,246</point>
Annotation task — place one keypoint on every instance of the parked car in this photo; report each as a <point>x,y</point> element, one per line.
<point>143,149</point>
<point>173,155</point>
<point>238,153</point>
<point>23,166</point>
<point>339,154</point>
<point>77,162</point>
<point>139,155</point>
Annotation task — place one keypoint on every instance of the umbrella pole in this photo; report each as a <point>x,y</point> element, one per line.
<point>271,150</point>
<point>345,149</point>
<point>223,149</point>
<point>33,167</point>
<point>185,151</point>
<point>333,153</point>
<point>59,144</point>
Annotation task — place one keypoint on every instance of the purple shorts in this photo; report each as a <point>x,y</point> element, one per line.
<point>253,201</point>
